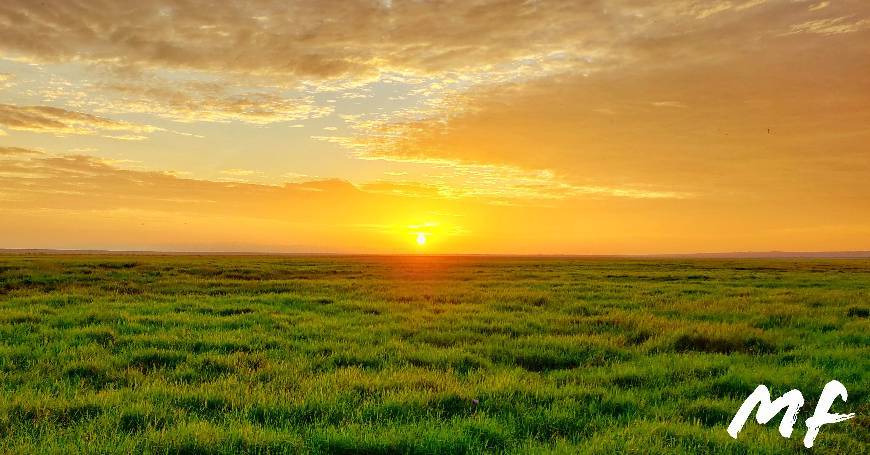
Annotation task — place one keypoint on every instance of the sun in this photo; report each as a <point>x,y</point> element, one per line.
<point>421,238</point>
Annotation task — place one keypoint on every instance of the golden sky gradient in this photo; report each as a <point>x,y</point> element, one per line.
<point>487,126</point>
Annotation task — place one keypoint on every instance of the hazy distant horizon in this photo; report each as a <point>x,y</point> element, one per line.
<point>698,255</point>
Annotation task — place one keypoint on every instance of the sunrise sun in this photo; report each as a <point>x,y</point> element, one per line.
<point>421,238</point>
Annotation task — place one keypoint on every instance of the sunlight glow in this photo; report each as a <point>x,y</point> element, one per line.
<point>486,127</point>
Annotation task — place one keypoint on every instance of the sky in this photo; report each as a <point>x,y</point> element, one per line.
<point>475,126</point>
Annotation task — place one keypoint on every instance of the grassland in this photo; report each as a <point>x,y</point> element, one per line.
<point>180,354</point>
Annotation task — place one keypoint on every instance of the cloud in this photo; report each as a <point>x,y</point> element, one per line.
<point>77,201</point>
<point>258,62</point>
<point>831,26</point>
<point>301,39</point>
<point>755,131</point>
<point>38,181</point>
<point>6,80</point>
<point>82,195</point>
<point>818,6</point>
<point>308,40</point>
<point>47,119</point>
<point>212,102</point>
<point>673,104</point>
<point>240,172</point>
<point>241,175</point>
<point>17,151</point>
<point>415,189</point>
<point>46,181</point>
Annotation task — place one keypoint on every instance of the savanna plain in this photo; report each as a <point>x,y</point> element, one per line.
<point>423,354</point>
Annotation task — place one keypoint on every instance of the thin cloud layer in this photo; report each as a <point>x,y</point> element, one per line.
<point>357,38</point>
<point>61,121</point>
<point>305,39</point>
<point>65,193</point>
<point>211,102</point>
<point>80,201</point>
<point>726,125</point>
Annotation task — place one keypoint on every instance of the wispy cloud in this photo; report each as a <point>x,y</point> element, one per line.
<point>48,119</point>
<point>212,102</point>
<point>818,6</point>
<point>831,26</point>
<point>6,80</point>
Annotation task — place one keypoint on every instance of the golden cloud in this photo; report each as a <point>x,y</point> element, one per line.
<point>199,101</point>
<point>304,38</point>
<point>65,192</point>
<point>85,202</point>
<point>700,128</point>
<point>6,80</point>
<point>48,119</point>
<point>189,61</point>
<point>310,39</point>
<point>831,26</point>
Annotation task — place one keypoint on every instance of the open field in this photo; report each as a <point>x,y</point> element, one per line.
<point>387,354</point>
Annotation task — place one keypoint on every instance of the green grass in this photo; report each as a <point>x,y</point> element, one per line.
<point>183,354</point>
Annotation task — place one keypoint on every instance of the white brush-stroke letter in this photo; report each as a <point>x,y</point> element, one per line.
<point>832,391</point>
<point>793,399</point>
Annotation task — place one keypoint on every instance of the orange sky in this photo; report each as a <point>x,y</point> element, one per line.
<point>487,126</point>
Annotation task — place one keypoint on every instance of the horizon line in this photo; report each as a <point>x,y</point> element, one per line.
<point>770,254</point>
